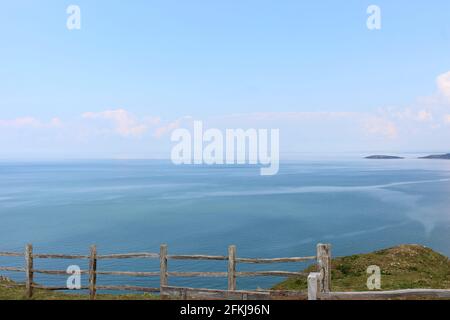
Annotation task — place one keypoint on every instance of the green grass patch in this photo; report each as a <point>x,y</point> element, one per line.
<point>402,267</point>
<point>18,293</point>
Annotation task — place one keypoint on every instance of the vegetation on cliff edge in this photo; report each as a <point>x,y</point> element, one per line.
<point>402,267</point>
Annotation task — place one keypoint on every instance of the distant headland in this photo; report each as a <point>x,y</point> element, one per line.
<point>437,156</point>
<point>387,157</point>
<point>377,157</point>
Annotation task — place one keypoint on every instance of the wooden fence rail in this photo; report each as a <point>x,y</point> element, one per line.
<point>164,289</point>
<point>385,295</point>
<point>319,283</point>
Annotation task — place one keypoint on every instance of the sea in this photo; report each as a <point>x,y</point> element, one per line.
<point>124,206</point>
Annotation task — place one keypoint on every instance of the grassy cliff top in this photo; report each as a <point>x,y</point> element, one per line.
<point>9,291</point>
<point>402,267</point>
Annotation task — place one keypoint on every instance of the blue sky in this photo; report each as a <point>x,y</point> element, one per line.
<point>310,68</point>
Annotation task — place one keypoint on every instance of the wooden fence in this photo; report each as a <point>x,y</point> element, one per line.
<point>319,283</point>
<point>323,259</point>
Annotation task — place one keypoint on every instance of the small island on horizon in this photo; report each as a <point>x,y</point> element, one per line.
<point>378,157</point>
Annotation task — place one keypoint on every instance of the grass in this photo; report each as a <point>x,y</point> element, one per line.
<point>17,293</point>
<point>402,267</point>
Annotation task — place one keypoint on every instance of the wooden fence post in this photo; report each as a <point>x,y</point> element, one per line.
<point>324,262</point>
<point>29,270</point>
<point>162,268</point>
<point>313,284</point>
<point>232,268</point>
<point>93,272</point>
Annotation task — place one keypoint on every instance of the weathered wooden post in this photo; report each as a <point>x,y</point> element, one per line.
<point>324,262</point>
<point>232,268</point>
<point>29,270</point>
<point>313,285</point>
<point>93,272</point>
<point>162,269</point>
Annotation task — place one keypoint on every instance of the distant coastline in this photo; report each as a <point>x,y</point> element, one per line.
<point>437,156</point>
<point>445,156</point>
<point>377,157</point>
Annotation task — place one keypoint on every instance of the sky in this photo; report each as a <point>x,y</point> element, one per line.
<point>137,70</point>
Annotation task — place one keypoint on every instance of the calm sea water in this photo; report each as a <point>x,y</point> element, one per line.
<point>132,206</point>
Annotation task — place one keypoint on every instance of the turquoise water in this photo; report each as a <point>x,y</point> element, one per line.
<point>132,206</point>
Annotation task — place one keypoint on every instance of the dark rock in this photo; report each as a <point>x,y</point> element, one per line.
<point>437,156</point>
<point>378,157</point>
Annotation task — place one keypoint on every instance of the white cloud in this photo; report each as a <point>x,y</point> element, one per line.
<point>424,115</point>
<point>421,125</point>
<point>30,122</point>
<point>300,115</point>
<point>125,124</point>
<point>159,132</point>
<point>443,83</point>
<point>406,114</point>
<point>169,127</point>
<point>380,126</point>
<point>316,125</point>
<point>21,123</point>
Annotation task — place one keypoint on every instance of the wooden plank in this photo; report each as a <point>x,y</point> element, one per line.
<point>199,293</point>
<point>29,270</point>
<point>383,295</point>
<point>275,260</point>
<point>128,288</point>
<point>194,293</point>
<point>128,256</point>
<point>241,260</point>
<point>270,274</point>
<point>324,262</point>
<point>59,256</point>
<point>57,272</point>
<point>196,257</point>
<point>197,274</point>
<point>288,295</point>
<point>163,265</point>
<point>12,285</point>
<point>11,254</point>
<point>92,272</point>
<point>13,269</point>
<point>56,288</point>
<point>129,273</point>
<point>232,268</point>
